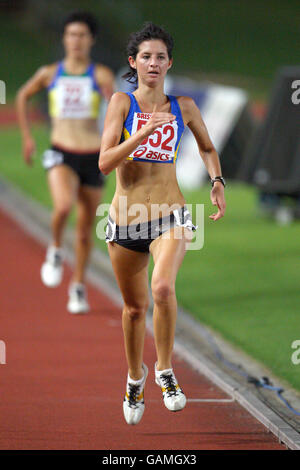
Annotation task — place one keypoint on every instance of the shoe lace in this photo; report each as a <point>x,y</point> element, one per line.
<point>169,384</point>
<point>80,293</point>
<point>57,260</point>
<point>77,293</point>
<point>133,394</point>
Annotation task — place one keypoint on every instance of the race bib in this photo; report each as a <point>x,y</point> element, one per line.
<point>158,147</point>
<point>74,97</point>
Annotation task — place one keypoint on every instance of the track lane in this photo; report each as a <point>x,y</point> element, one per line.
<point>63,383</point>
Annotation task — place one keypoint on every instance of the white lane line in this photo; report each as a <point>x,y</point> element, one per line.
<point>211,400</point>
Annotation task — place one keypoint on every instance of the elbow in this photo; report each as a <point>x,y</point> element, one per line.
<point>20,97</point>
<point>105,170</point>
<point>209,153</point>
<point>20,93</point>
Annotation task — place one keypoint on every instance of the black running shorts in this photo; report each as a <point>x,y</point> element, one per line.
<point>85,165</point>
<point>139,237</point>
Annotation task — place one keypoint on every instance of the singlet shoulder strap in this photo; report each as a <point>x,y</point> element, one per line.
<point>133,103</point>
<point>134,107</point>
<point>91,73</point>
<point>90,70</point>
<point>175,109</point>
<point>59,71</point>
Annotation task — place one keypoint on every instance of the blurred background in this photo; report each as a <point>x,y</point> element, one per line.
<point>240,62</point>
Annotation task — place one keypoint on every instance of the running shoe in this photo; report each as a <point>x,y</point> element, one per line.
<point>133,404</point>
<point>77,299</point>
<point>173,396</point>
<point>52,269</point>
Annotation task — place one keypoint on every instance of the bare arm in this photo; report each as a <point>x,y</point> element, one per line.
<point>112,153</point>
<point>106,80</point>
<point>36,83</point>
<point>207,151</point>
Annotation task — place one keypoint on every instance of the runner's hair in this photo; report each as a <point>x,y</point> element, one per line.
<point>82,17</point>
<point>148,32</point>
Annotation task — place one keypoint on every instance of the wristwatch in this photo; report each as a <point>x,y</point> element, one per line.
<point>218,178</point>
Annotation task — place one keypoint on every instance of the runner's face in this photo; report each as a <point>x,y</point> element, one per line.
<point>77,40</point>
<point>152,62</point>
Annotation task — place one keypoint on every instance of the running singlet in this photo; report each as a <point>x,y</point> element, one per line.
<point>74,96</point>
<point>161,146</point>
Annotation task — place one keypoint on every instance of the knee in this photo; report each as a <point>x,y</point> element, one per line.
<point>83,236</point>
<point>162,290</point>
<point>63,211</point>
<point>84,230</point>
<point>135,312</point>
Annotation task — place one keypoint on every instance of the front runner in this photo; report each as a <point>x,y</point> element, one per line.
<point>149,125</point>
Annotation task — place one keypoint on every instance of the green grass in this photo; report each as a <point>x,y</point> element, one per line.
<point>20,55</point>
<point>244,38</point>
<point>244,281</point>
<point>30,179</point>
<point>239,43</point>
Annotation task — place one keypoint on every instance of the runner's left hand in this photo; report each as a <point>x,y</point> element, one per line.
<point>218,199</point>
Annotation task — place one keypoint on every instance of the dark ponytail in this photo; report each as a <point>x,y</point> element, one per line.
<point>149,31</point>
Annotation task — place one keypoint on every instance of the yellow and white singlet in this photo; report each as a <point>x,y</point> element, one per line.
<point>74,96</point>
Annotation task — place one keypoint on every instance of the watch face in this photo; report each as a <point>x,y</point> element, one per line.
<point>218,178</point>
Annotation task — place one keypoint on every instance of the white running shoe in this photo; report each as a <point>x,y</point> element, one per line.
<point>52,269</point>
<point>173,396</point>
<point>133,404</point>
<point>77,299</point>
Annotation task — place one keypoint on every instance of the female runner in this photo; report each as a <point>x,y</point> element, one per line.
<point>75,89</point>
<point>141,136</point>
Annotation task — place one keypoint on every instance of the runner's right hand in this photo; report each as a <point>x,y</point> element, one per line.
<point>158,118</point>
<point>29,149</point>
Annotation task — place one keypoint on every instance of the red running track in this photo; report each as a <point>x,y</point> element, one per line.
<point>63,382</point>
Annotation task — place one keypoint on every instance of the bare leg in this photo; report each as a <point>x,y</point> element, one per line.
<point>63,185</point>
<point>88,201</point>
<point>131,271</point>
<point>168,255</point>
